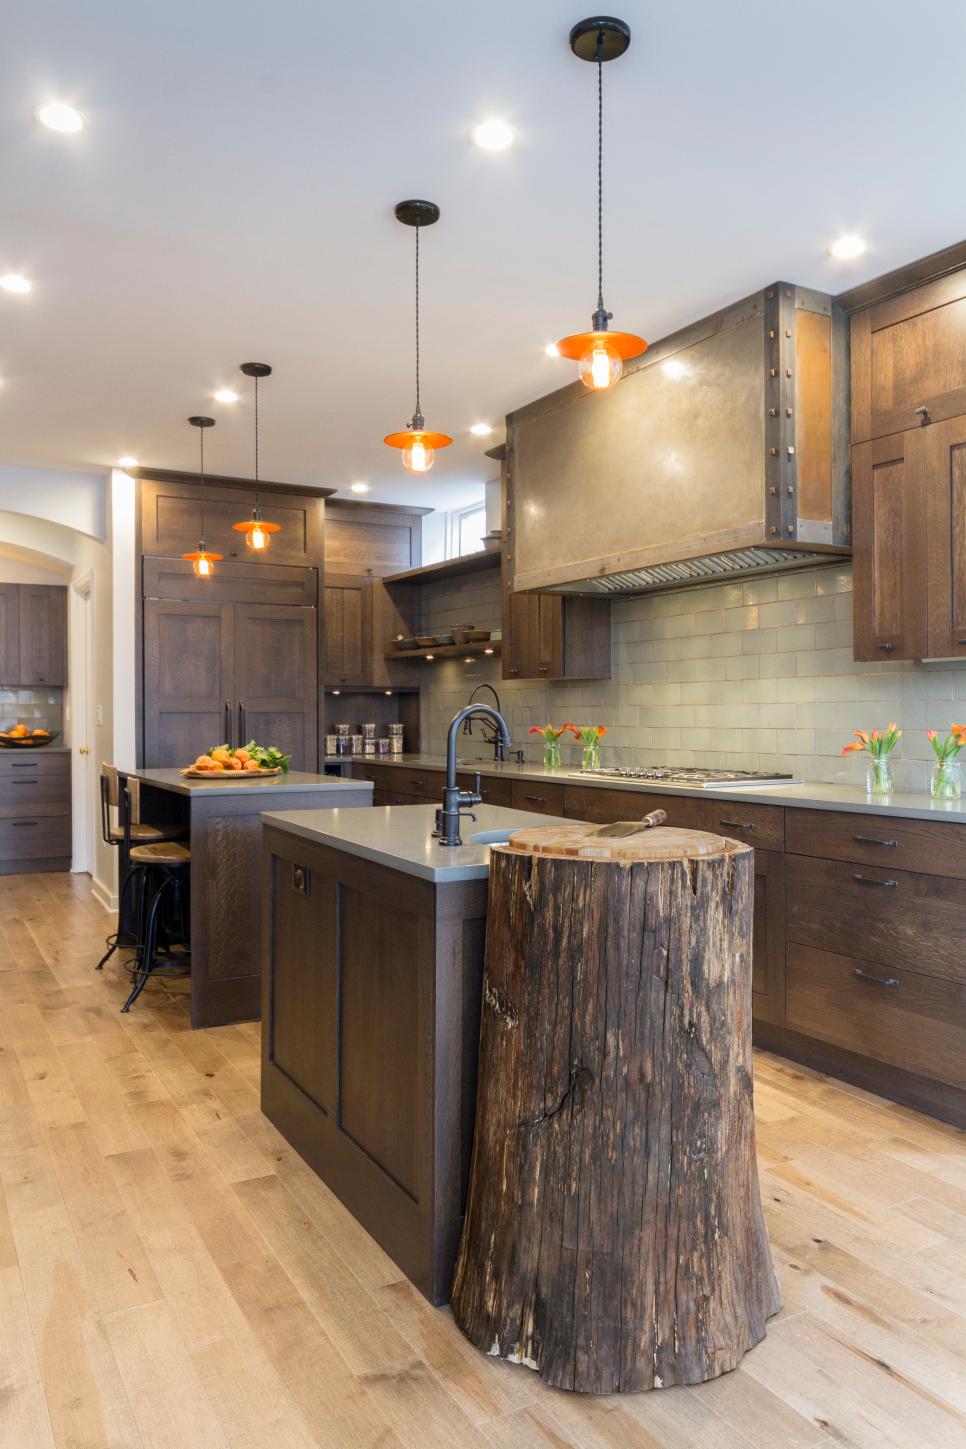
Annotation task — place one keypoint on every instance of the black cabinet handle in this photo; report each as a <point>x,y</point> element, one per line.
<point>418,784</point>
<point>536,799</point>
<point>875,980</point>
<point>228,722</point>
<point>241,723</point>
<point>22,823</point>
<point>887,647</point>
<point>887,885</point>
<point>738,824</point>
<point>24,765</point>
<point>871,840</point>
<point>24,782</point>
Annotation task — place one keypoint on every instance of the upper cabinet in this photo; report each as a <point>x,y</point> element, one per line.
<point>33,634</point>
<point>909,474</point>
<point>348,628</point>
<point>909,359</point>
<point>364,543</point>
<point>175,509</point>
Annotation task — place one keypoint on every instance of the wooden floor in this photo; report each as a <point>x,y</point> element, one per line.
<point>171,1274</point>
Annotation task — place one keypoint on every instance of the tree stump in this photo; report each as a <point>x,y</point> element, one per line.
<point>613,1237</point>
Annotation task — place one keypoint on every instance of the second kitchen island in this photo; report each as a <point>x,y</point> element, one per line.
<point>372,980</point>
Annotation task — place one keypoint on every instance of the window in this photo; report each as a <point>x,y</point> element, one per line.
<point>467,527</point>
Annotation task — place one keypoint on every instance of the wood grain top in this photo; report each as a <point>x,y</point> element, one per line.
<point>582,841</point>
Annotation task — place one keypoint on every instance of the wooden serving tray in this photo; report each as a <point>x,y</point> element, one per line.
<point>193,774</point>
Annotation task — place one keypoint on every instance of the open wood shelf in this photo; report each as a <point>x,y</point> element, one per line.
<point>450,568</point>
<point>477,650</point>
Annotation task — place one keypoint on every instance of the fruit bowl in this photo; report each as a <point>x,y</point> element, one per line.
<point>27,742</point>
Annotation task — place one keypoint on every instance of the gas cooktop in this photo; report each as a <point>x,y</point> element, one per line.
<point>692,776</point>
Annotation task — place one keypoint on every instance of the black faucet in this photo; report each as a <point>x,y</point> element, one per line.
<point>455,800</point>
<point>495,739</point>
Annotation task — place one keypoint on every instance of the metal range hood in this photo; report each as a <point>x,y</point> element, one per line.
<point>722,452</point>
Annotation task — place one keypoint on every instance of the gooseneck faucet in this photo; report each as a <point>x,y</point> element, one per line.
<point>499,751</point>
<point>456,800</point>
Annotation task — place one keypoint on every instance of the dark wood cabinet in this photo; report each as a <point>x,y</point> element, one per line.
<point>768,939</point>
<point>33,634</point>
<point>889,546</point>
<point>909,359</point>
<point>173,506</point>
<point>348,628</point>
<point>945,594</point>
<point>9,634</point>
<point>275,679</point>
<point>35,811</point>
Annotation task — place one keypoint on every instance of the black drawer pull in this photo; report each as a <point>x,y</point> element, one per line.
<point>887,885</point>
<point>24,765</point>
<point>22,823</point>
<point>536,799</point>
<point>738,824</point>
<point>875,980</point>
<point>871,840</point>
<point>25,782</point>
<point>887,647</point>
<point>418,784</point>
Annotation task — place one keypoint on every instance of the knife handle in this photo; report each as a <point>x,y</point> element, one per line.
<point>655,817</point>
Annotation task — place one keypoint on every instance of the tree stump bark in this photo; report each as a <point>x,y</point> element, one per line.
<point>613,1237</point>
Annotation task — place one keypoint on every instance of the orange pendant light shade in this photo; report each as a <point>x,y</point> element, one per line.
<point>416,442</point>
<point>256,530</point>
<point>202,559</point>
<point>600,354</point>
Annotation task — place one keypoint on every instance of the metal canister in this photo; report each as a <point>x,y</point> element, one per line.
<point>369,731</point>
<point>382,747</point>
<point>356,744</point>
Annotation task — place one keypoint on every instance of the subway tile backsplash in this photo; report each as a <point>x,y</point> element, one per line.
<point>756,675</point>
<point>36,706</point>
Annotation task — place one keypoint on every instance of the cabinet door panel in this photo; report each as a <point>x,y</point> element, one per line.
<point>43,634</point>
<point>945,471</point>
<point>768,938</point>
<point>9,634</point>
<point>889,547</point>
<point>908,353</point>
<point>275,677</point>
<point>172,514</point>
<point>188,680</point>
<point>348,633</point>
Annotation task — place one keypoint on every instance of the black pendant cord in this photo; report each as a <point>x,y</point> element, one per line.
<point>418,413</point>
<point>600,177</point>
<point>204,533</point>
<point>256,445</point>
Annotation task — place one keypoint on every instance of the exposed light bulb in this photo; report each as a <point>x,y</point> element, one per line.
<point>417,457</point>
<point>600,367</point>
<point>257,538</point>
<point>202,566</point>
<point>552,350</point>
<point>58,116</point>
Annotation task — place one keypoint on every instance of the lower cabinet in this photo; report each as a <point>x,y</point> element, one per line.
<point>35,833</point>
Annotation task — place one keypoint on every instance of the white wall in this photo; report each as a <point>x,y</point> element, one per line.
<point>75,501</point>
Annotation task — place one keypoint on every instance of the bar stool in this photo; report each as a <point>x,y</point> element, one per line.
<point>128,831</point>
<point>167,862</point>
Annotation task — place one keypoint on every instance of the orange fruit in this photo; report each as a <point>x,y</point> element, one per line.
<point>252,767</point>
<point>242,755</point>
<point>235,764</point>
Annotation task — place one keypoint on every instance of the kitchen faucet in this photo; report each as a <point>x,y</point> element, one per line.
<point>499,750</point>
<point>456,800</point>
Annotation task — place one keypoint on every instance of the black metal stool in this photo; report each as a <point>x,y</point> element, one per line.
<point>164,865</point>
<point>128,831</point>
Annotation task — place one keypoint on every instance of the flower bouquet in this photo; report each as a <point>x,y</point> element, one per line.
<point>589,737</point>
<point>879,745</point>
<point>947,782</point>
<point>551,743</point>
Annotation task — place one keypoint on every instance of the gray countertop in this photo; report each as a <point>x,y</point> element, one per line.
<point>399,836</point>
<point>853,798</point>
<point>294,781</point>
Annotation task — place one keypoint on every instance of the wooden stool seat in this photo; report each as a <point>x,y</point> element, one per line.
<point>144,834</point>
<point>162,852</point>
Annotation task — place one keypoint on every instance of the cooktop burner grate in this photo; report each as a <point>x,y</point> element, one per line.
<point>691,775</point>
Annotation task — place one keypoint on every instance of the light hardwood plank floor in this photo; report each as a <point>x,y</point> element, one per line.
<point>173,1276</point>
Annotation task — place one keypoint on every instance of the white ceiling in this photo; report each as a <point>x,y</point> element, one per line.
<point>232,199</point>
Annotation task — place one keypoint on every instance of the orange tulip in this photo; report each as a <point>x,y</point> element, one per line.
<point>855,745</point>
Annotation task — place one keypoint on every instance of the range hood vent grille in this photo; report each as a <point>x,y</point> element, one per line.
<point>695,570</point>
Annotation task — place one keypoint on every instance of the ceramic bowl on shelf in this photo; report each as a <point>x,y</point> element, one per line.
<point>28,741</point>
<point>443,639</point>
<point>425,641</point>
<point>477,636</point>
<point>461,633</point>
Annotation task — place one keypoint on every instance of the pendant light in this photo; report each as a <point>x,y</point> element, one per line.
<point>600,353</point>
<point>417,443</point>
<point>255,529</point>
<point>202,558</point>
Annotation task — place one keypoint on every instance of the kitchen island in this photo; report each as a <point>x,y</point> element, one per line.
<point>373,950</point>
<point>222,821</point>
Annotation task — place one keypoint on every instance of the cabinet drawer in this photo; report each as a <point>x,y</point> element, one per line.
<point>545,797</point>
<point>426,785</point>
<point>494,789</point>
<point>399,797</point>
<point>935,847</point>
<point>894,917</point>
<point>17,763</point>
<point>761,825</point>
<point>35,787</point>
<point>378,775</point>
<point>28,837</point>
<point>915,1022</point>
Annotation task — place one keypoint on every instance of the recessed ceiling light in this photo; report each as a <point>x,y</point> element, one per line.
<point>225,395</point>
<point>481,430</point>
<point>13,282</point>
<point>358,487</point>
<point>126,462</point>
<point>57,116</point>
<point>493,135</point>
<point>552,350</point>
<point>847,247</point>
<point>675,369</point>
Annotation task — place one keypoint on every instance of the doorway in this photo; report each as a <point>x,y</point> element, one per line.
<point>82,725</point>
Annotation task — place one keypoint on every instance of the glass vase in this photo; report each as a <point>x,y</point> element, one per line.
<point>947,780</point>
<point>878,780</point>
<point>590,759</point>
<point>551,754</point>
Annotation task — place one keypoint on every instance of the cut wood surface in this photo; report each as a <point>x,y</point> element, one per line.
<point>613,1237</point>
